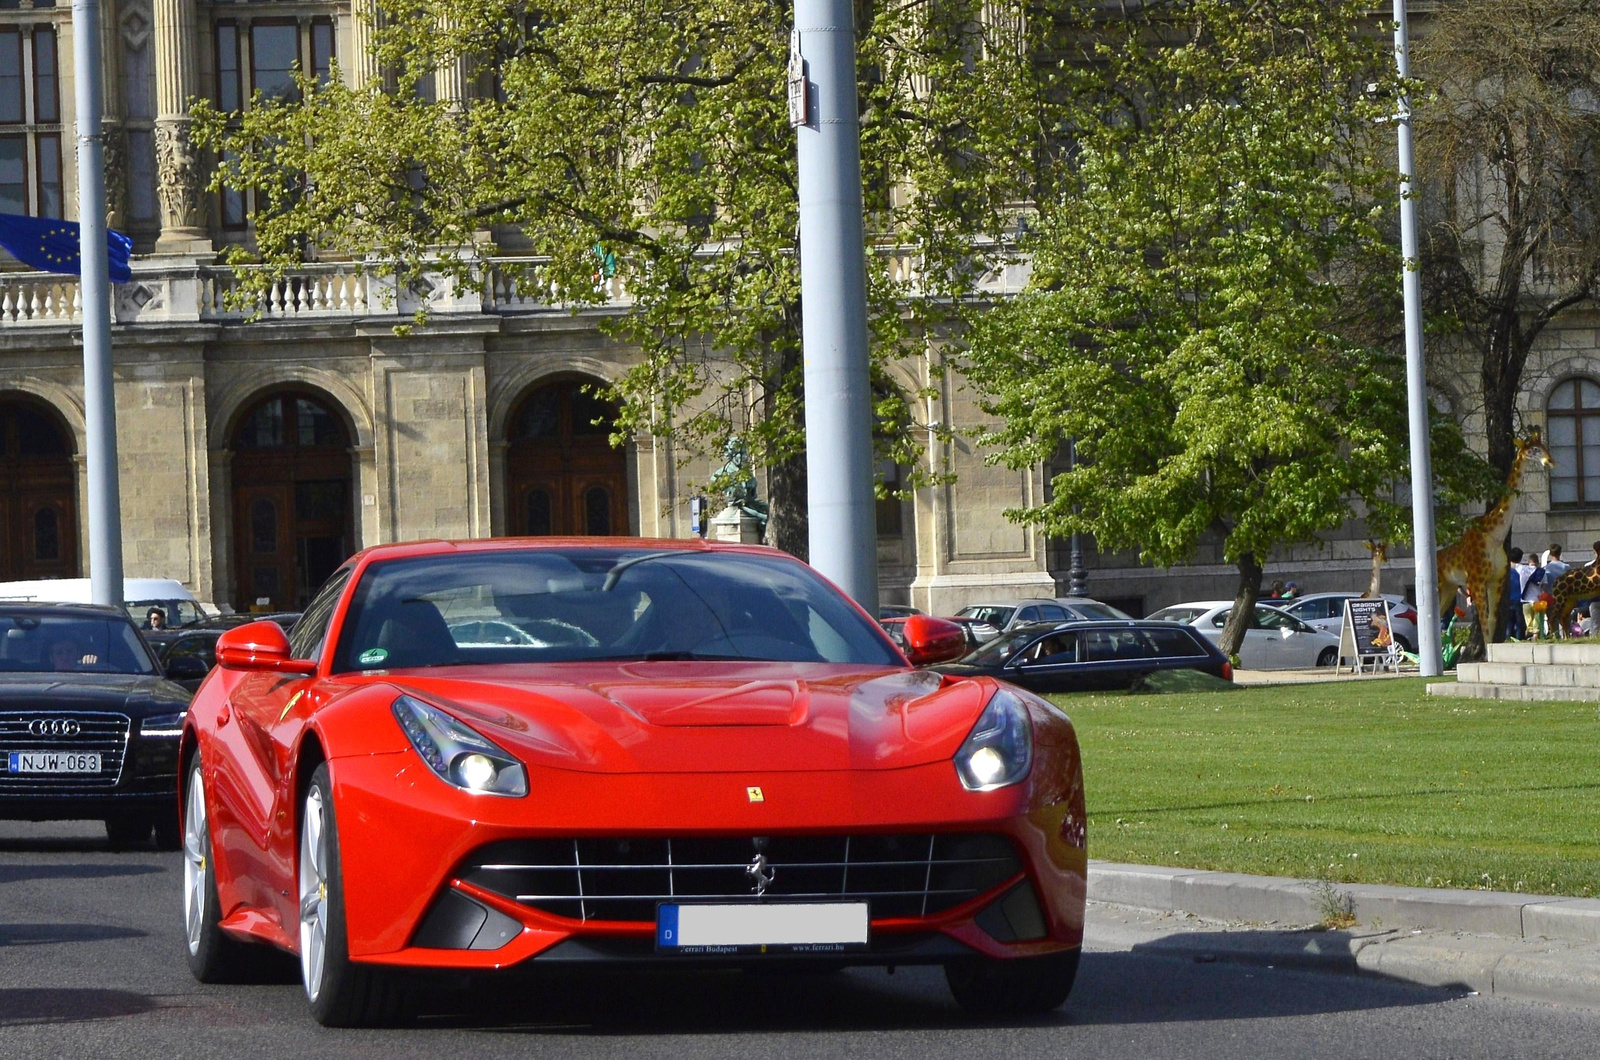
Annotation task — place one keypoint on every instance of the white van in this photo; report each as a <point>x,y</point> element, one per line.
<point>139,595</point>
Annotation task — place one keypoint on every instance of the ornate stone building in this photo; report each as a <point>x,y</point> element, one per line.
<point>257,453</point>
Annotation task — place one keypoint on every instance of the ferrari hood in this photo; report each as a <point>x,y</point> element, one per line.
<point>692,717</point>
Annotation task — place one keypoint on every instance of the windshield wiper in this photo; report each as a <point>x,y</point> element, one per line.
<point>669,656</point>
<point>615,574</point>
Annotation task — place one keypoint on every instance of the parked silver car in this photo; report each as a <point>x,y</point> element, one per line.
<point>1277,641</point>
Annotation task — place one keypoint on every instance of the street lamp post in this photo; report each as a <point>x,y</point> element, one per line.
<point>99,402</point>
<point>838,394</point>
<point>1428,643</point>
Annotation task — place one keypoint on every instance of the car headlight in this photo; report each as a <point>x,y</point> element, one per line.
<point>999,751</point>
<point>163,724</point>
<point>457,754</point>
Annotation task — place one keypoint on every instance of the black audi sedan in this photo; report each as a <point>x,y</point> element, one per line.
<point>1090,656</point>
<point>89,724</point>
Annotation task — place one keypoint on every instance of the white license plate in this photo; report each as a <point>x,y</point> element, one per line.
<point>795,927</point>
<point>53,762</point>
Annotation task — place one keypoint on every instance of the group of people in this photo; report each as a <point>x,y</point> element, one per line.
<point>1530,580</point>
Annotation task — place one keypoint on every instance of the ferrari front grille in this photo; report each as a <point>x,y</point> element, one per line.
<point>62,730</point>
<point>623,879</point>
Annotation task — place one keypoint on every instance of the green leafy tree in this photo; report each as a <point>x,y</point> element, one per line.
<point>644,145</point>
<point>1212,279</point>
<point>1507,143</point>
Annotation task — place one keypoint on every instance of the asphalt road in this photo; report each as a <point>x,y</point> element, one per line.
<point>91,964</point>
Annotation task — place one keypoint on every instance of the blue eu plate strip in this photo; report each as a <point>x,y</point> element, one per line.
<point>14,762</point>
<point>667,926</point>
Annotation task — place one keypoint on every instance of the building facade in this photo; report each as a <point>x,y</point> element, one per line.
<point>259,449</point>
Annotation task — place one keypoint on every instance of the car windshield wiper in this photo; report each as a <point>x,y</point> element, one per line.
<point>670,656</point>
<point>615,574</point>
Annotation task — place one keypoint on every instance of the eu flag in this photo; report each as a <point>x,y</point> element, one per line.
<point>52,246</point>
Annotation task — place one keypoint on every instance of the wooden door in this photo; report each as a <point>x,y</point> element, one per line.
<point>563,476</point>
<point>264,547</point>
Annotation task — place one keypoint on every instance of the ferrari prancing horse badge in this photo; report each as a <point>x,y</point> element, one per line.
<point>754,794</point>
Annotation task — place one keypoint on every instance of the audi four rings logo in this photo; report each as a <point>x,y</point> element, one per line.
<point>53,727</point>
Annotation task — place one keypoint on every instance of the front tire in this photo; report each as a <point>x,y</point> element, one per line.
<point>1023,986</point>
<point>1328,656</point>
<point>341,992</point>
<point>127,831</point>
<point>214,955</point>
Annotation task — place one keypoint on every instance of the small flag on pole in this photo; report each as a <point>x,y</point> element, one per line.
<point>53,246</point>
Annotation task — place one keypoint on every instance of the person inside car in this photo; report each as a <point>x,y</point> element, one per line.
<point>155,619</point>
<point>68,657</point>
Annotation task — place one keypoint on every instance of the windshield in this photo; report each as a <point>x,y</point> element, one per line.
<point>68,644</point>
<point>173,613</point>
<point>1179,614</point>
<point>568,604</point>
<point>995,616</point>
<point>999,650</point>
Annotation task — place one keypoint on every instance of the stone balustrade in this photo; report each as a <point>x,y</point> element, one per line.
<point>163,292</point>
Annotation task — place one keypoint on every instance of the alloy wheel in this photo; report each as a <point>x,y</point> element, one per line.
<point>195,852</point>
<point>313,893</point>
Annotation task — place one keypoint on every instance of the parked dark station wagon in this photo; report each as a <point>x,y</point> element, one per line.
<point>1090,656</point>
<point>89,725</point>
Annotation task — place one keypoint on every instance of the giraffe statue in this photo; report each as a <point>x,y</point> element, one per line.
<point>1478,561</point>
<point>1579,583</point>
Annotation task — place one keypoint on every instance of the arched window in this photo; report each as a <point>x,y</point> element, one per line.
<point>1574,439</point>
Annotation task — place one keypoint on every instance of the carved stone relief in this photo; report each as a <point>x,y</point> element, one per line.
<point>115,140</point>
<point>178,168</point>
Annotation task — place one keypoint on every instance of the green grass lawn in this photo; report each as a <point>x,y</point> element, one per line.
<point>1361,781</point>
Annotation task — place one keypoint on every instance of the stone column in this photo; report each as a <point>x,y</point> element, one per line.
<point>177,166</point>
<point>363,69</point>
<point>450,80</point>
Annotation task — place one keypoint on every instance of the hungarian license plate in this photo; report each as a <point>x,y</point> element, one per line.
<point>793,927</point>
<point>53,762</point>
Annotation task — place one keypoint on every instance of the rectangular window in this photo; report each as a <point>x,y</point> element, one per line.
<point>322,50</point>
<point>13,174</point>
<point>11,109</point>
<point>228,89</point>
<point>274,58</point>
<point>49,188</point>
<point>46,94</point>
<point>232,202</point>
<point>141,175</point>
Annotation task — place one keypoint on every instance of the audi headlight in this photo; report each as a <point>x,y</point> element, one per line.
<point>999,751</point>
<point>457,754</point>
<point>163,724</point>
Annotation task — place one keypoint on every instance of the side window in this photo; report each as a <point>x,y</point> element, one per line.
<point>1100,645</point>
<point>202,648</point>
<point>1172,643</point>
<point>1266,618</point>
<point>1029,614</point>
<point>1221,618</point>
<point>1053,613</point>
<point>1056,648</point>
<point>306,640</point>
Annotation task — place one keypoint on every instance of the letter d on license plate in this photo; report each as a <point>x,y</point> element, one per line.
<point>794,927</point>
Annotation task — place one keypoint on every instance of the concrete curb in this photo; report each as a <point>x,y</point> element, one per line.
<point>1518,946</point>
<point>1279,900</point>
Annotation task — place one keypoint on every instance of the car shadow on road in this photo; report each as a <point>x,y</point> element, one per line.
<point>50,934</point>
<point>1112,988</point>
<point>27,1006</point>
<point>50,870</point>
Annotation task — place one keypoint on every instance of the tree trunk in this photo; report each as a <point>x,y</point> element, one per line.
<point>788,527</point>
<point>1243,615</point>
<point>1380,552</point>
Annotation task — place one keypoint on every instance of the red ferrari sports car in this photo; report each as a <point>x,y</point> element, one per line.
<point>487,754</point>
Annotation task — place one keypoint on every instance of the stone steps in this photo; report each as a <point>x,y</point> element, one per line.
<point>1549,671</point>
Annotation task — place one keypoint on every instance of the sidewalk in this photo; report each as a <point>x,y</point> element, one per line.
<point>1529,947</point>
<point>1315,676</point>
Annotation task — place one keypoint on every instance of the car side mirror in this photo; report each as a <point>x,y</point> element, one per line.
<point>932,640</point>
<point>260,647</point>
<point>187,668</point>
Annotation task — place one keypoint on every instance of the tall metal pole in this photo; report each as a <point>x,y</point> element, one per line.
<point>1428,646</point>
<point>844,541</point>
<point>99,405</point>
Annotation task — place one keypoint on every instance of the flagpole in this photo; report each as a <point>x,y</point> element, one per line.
<point>99,400</point>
